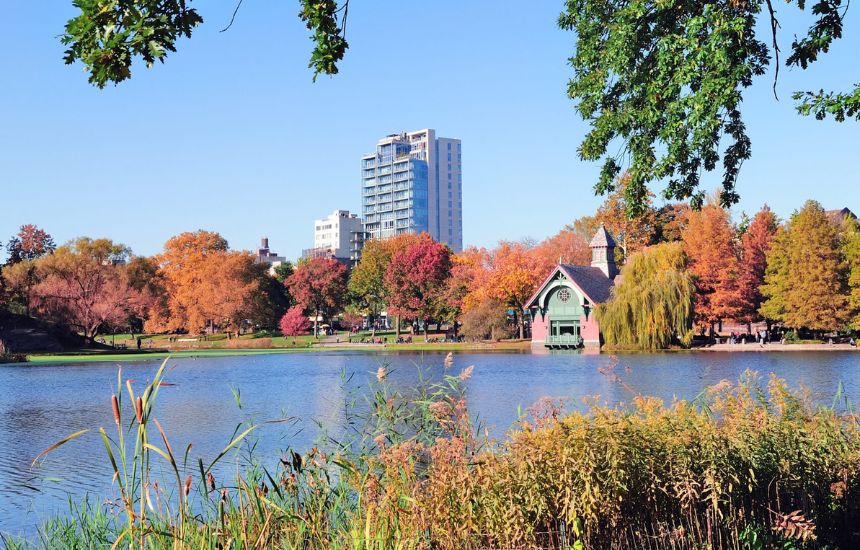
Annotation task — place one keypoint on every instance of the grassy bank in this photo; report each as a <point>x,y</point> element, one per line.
<point>746,465</point>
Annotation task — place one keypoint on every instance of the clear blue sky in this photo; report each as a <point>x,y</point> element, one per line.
<point>231,135</point>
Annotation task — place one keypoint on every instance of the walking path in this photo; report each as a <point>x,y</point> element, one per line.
<point>776,346</point>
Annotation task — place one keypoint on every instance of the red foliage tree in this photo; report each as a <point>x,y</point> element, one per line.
<point>84,289</point>
<point>29,244</point>
<point>294,322</point>
<point>318,286</point>
<point>755,244</point>
<point>416,280</point>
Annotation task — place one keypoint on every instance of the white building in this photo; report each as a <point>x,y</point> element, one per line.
<point>413,183</point>
<point>333,235</point>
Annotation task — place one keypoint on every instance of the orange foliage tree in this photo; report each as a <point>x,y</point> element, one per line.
<point>632,233</point>
<point>207,284</point>
<point>567,247</point>
<point>709,242</point>
<point>755,244</point>
<point>513,273</point>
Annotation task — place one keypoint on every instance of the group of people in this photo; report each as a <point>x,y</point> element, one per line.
<point>762,337</point>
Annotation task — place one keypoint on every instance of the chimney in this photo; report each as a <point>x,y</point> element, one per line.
<point>264,243</point>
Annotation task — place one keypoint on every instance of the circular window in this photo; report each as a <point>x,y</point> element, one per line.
<point>564,295</point>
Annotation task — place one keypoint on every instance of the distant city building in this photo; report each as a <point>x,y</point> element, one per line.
<point>266,256</point>
<point>333,236</point>
<point>411,184</point>
<point>356,245</point>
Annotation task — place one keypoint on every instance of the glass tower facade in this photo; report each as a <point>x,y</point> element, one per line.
<point>394,191</point>
<point>412,184</point>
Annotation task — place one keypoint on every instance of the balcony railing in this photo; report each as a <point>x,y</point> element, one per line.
<point>564,340</point>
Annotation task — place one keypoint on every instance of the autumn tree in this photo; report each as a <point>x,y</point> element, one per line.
<point>19,280</point>
<point>467,269</point>
<point>632,232</point>
<point>319,287</point>
<point>805,284</point>
<point>485,320</point>
<point>567,247</point>
<point>584,227</point>
<point>84,285</point>
<point>21,275</point>
<point>514,272</point>
<point>755,244</point>
<point>851,252</point>
<point>367,280</point>
<point>415,280</point>
<point>652,301</point>
<point>709,242</point>
<point>30,243</point>
<point>294,322</point>
<point>209,285</point>
<point>148,282</point>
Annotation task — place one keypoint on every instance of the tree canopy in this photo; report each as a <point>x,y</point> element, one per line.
<point>662,83</point>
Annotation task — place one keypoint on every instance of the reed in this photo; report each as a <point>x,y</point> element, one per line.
<point>750,464</point>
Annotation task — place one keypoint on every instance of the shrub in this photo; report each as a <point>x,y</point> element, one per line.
<point>294,322</point>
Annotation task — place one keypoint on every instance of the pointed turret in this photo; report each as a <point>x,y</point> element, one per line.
<point>603,252</point>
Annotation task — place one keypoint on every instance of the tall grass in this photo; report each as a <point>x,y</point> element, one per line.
<point>750,464</point>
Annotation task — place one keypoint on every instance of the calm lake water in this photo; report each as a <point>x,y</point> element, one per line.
<point>39,405</point>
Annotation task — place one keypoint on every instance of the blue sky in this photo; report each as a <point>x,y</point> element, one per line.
<point>231,135</point>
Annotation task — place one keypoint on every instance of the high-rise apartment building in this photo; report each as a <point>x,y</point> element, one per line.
<point>413,183</point>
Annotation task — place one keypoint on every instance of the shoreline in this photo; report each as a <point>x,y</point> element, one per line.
<point>516,347</point>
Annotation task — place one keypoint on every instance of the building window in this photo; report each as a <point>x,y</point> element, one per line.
<point>564,295</point>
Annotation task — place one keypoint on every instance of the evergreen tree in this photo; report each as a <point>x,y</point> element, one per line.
<point>805,284</point>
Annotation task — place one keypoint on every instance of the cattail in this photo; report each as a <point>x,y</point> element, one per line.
<point>115,404</point>
<point>138,410</point>
<point>467,373</point>
<point>187,485</point>
<point>211,479</point>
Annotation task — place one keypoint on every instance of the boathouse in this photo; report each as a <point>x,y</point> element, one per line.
<point>562,309</point>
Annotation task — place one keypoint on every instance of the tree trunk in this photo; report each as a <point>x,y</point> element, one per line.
<point>426,325</point>
<point>521,324</point>
<point>397,326</point>
<point>316,322</point>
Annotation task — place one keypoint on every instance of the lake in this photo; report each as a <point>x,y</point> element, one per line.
<point>40,404</point>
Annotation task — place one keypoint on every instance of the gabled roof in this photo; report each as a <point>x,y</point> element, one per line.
<point>596,286</point>
<point>602,238</point>
<point>838,216</point>
<point>591,280</point>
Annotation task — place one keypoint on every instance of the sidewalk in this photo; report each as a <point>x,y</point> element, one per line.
<point>776,346</point>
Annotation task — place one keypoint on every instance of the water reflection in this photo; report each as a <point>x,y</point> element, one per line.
<point>41,404</point>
